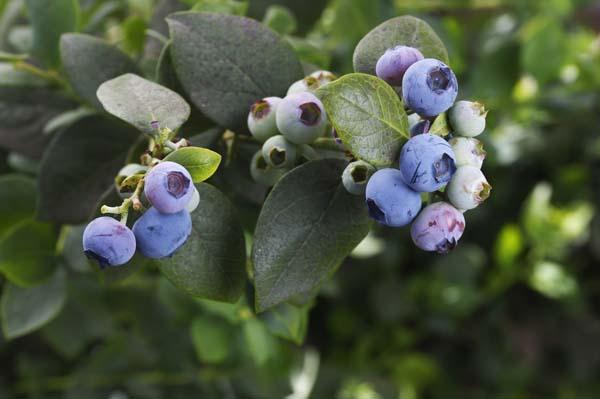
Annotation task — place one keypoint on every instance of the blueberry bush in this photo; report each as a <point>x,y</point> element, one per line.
<point>281,199</point>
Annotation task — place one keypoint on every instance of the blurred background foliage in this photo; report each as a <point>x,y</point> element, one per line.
<point>513,312</point>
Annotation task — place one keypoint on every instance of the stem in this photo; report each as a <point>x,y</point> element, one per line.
<point>123,209</point>
<point>32,69</point>
<point>157,35</point>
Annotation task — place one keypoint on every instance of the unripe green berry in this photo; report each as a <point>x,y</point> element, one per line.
<point>301,118</point>
<point>263,173</point>
<point>467,118</point>
<point>467,151</point>
<point>261,119</point>
<point>468,188</point>
<point>323,77</point>
<point>194,201</point>
<point>279,152</point>
<point>309,83</point>
<point>356,175</point>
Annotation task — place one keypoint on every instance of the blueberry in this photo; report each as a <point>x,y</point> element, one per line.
<point>420,128</point>
<point>468,188</point>
<point>108,242</point>
<point>194,202</point>
<point>301,118</point>
<point>308,84</point>
<point>438,228</point>
<point>467,118</point>
<point>356,175</point>
<point>264,173</point>
<point>413,119</point>
<point>261,119</point>
<point>323,77</point>
<point>468,151</point>
<point>159,234</point>
<point>278,152</point>
<point>168,186</point>
<point>427,162</point>
<point>392,65</point>
<point>429,87</point>
<point>389,200</point>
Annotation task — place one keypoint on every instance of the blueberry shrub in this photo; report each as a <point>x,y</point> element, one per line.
<point>288,199</point>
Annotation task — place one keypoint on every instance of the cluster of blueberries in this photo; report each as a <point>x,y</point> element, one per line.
<point>286,127</point>
<point>428,163</point>
<point>160,231</point>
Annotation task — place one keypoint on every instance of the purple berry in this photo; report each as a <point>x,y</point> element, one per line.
<point>429,87</point>
<point>390,201</point>
<point>168,186</point>
<point>438,228</point>
<point>392,65</point>
<point>159,235</point>
<point>427,162</point>
<point>108,242</point>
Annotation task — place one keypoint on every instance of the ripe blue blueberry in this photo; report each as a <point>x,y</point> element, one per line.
<point>108,242</point>
<point>468,188</point>
<point>278,152</point>
<point>168,186</point>
<point>467,151</point>
<point>159,234</point>
<point>301,118</point>
<point>389,200</point>
<point>261,119</point>
<point>420,128</point>
<point>427,162</point>
<point>467,118</point>
<point>438,227</point>
<point>392,65</point>
<point>356,175</point>
<point>429,87</point>
<point>264,173</point>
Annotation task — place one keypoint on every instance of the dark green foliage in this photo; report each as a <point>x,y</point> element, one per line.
<point>271,297</point>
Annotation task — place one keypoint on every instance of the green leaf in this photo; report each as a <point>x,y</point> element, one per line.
<point>211,264</point>
<point>225,63</point>
<point>440,125</point>
<point>24,111</point>
<point>27,253</point>
<point>233,7</point>
<point>50,19</point>
<point>79,165</point>
<point>202,163</point>
<point>27,309</point>
<point>89,61</point>
<point>368,116</point>
<point>308,225</point>
<point>541,36</point>
<point>211,338</point>
<point>140,102</point>
<point>280,19</point>
<point>17,201</point>
<point>260,344</point>
<point>405,30</point>
<point>134,34</point>
<point>287,321</point>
